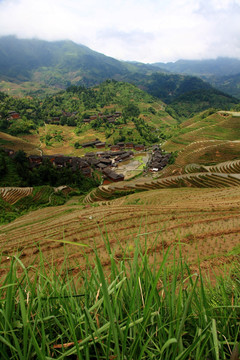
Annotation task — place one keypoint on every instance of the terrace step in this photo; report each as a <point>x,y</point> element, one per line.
<point>221,175</point>
<point>14,194</point>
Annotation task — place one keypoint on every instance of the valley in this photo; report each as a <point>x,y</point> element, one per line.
<point>206,164</point>
<point>202,151</point>
<point>119,207</point>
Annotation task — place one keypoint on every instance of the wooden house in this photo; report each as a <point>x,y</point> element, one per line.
<point>111,120</point>
<point>87,171</point>
<point>129,145</point>
<point>110,174</point>
<point>115,147</point>
<point>105,161</point>
<point>90,143</point>
<point>100,145</point>
<point>126,155</point>
<point>101,166</point>
<point>35,159</point>
<point>61,161</point>
<point>121,145</point>
<point>139,147</point>
<point>13,115</point>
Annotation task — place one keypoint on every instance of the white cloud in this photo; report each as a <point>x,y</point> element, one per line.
<point>143,30</point>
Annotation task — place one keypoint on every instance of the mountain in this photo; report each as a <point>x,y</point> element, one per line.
<point>186,95</point>
<point>168,87</point>
<point>222,73</point>
<point>58,63</point>
<point>213,67</point>
<point>32,67</point>
<point>193,102</point>
<point>230,84</point>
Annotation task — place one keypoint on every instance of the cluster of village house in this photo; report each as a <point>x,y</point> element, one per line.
<point>104,161</point>
<point>119,146</point>
<point>110,118</point>
<point>158,160</point>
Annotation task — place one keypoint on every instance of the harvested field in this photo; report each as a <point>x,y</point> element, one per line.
<point>206,222</point>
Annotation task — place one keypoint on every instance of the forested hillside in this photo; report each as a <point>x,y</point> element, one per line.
<point>193,102</point>
<point>54,63</point>
<point>222,73</point>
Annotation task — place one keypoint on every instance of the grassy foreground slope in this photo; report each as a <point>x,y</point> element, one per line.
<point>138,312</point>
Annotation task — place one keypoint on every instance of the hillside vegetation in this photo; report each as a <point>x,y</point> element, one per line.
<point>196,101</point>
<point>16,201</point>
<point>141,115</point>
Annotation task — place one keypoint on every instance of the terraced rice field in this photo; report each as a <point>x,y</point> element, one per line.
<point>203,152</point>
<point>227,167</point>
<point>204,223</point>
<point>192,175</point>
<point>13,194</point>
<point>198,128</point>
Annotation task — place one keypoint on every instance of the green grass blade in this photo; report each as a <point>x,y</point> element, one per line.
<point>215,339</point>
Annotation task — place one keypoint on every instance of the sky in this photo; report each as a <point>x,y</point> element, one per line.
<point>137,30</point>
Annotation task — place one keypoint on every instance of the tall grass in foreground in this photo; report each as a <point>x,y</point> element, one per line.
<point>138,311</point>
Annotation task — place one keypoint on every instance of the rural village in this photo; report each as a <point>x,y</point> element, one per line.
<point>103,161</point>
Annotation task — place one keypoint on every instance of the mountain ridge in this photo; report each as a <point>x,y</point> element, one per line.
<point>217,67</point>
<point>222,73</point>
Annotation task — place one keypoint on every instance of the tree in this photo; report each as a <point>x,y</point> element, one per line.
<point>131,110</point>
<point>21,162</point>
<point>3,166</point>
<point>77,145</point>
